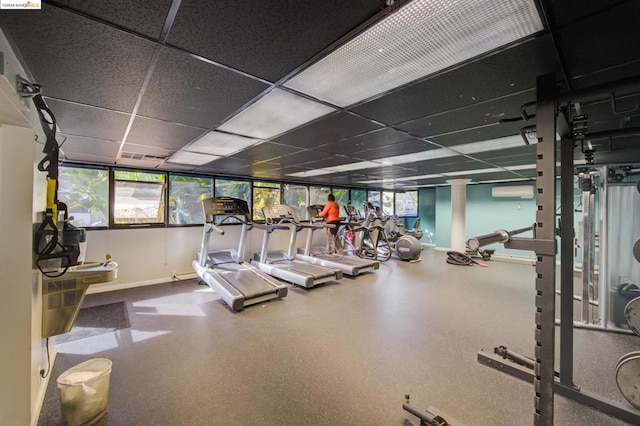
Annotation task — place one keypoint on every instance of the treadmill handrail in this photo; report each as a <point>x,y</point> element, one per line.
<point>317,226</point>
<point>270,228</point>
<point>214,228</point>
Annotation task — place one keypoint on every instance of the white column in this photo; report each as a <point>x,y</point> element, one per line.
<point>458,209</point>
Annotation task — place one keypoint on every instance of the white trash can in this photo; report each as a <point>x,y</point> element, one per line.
<point>84,390</point>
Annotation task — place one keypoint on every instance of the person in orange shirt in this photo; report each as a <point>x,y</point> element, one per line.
<point>331,215</point>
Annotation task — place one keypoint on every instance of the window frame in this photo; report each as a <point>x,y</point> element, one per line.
<point>112,199</point>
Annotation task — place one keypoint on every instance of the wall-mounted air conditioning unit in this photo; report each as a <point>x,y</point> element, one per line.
<point>519,191</point>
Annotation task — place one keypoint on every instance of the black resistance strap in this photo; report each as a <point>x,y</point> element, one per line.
<point>462,259</point>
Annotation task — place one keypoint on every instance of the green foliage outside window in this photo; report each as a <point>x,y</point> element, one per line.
<point>264,194</point>
<point>387,203</point>
<point>318,194</point>
<point>296,197</point>
<point>358,198</point>
<point>233,188</point>
<point>86,193</point>
<point>185,198</point>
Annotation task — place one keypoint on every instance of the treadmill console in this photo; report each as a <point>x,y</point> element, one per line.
<point>279,213</point>
<point>224,206</point>
<point>314,211</point>
<point>352,212</point>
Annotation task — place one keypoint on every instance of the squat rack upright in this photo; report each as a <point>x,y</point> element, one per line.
<point>552,117</point>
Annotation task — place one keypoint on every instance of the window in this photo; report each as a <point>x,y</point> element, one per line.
<point>264,194</point>
<point>387,203</point>
<point>358,198</point>
<point>138,197</point>
<point>407,204</point>
<point>296,197</point>
<point>318,194</point>
<point>342,197</point>
<point>86,194</point>
<point>185,198</point>
<point>233,188</point>
<point>374,198</point>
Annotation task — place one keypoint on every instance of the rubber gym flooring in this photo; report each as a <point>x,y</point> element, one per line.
<point>343,353</point>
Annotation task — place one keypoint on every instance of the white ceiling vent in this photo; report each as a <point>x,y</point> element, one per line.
<point>139,156</point>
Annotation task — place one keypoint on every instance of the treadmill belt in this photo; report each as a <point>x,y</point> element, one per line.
<point>247,282</point>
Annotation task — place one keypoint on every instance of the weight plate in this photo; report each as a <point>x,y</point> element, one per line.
<point>636,250</point>
<point>627,377</point>
<point>626,356</point>
<point>632,315</point>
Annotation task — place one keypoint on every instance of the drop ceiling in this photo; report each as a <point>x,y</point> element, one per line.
<point>365,93</point>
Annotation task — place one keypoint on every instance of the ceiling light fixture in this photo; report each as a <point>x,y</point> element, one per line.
<point>218,143</point>
<point>418,39</point>
<point>275,113</point>
<point>196,159</point>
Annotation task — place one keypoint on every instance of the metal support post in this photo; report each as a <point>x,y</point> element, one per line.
<point>566,262</point>
<point>546,262</point>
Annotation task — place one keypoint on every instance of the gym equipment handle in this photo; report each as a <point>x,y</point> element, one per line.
<point>500,236</point>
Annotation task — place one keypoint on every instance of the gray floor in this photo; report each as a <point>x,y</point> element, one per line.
<point>342,353</point>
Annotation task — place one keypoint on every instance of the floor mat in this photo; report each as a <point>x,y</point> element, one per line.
<point>97,320</point>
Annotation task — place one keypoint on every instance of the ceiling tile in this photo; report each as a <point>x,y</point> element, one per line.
<point>602,40</point>
<point>330,161</point>
<point>479,134</point>
<point>274,37</point>
<point>71,144</point>
<point>82,120</point>
<point>200,94</point>
<point>459,162</point>
<point>525,154</point>
<point>89,159</point>
<point>229,164</point>
<point>408,147</point>
<point>375,139</point>
<point>145,17</point>
<point>172,136</point>
<point>301,157</point>
<point>77,59</point>
<point>567,11</point>
<point>509,71</point>
<point>266,151</point>
<point>329,129</point>
<point>476,115</point>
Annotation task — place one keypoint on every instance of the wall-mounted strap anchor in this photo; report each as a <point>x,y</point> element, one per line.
<point>25,88</point>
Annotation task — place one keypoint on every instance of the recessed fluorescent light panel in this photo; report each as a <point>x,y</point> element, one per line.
<point>421,38</point>
<point>197,159</point>
<point>491,145</point>
<point>218,143</point>
<point>275,113</point>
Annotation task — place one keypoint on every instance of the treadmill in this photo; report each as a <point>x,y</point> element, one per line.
<point>239,284</point>
<point>286,265</point>
<point>349,265</point>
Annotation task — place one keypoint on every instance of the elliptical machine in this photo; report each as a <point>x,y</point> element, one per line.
<point>404,247</point>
